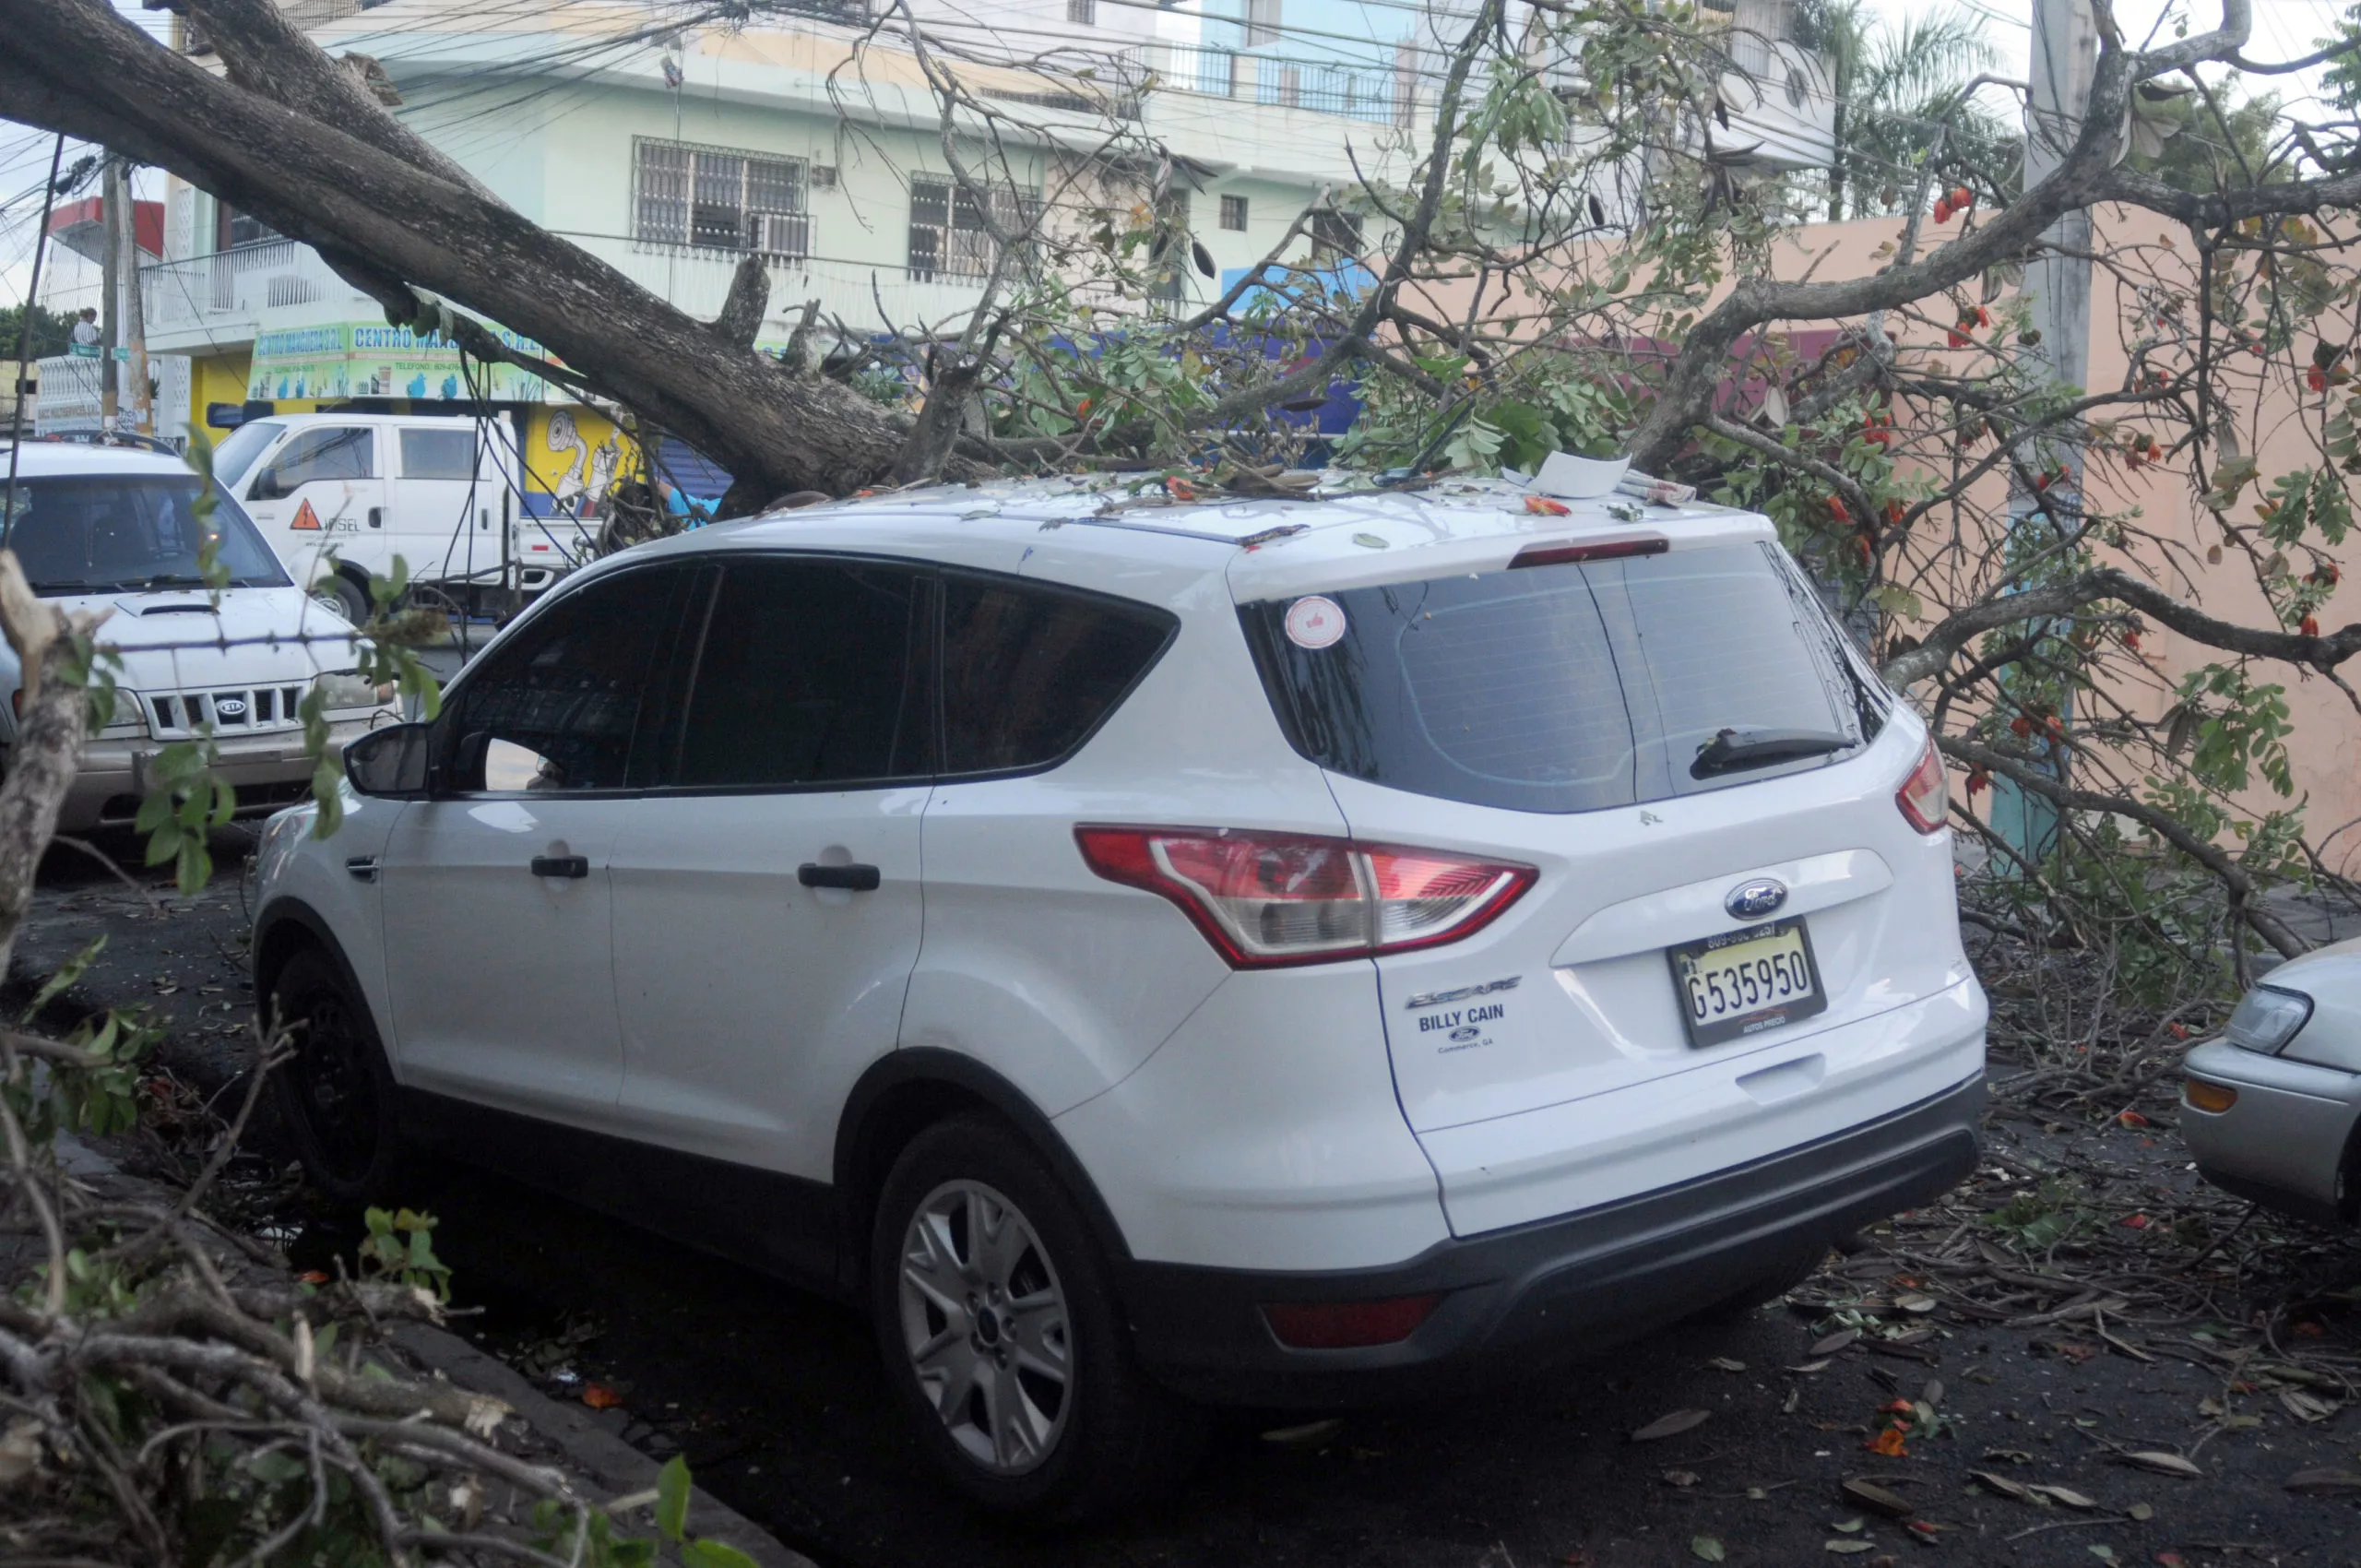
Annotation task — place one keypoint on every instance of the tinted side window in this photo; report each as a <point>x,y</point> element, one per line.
<point>1028,671</point>
<point>805,677</point>
<point>439,454</point>
<point>336,453</point>
<point>556,709</point>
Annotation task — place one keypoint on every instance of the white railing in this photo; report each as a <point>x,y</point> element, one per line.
<point>70,395</point>
<point>225,293</point>
<point>1755,27</point>
<point>1352,92</point>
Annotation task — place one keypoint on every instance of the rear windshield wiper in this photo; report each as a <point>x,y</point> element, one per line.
<point>1732,750</point>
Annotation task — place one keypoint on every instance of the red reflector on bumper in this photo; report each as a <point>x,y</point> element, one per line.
<point>1341,1325</point>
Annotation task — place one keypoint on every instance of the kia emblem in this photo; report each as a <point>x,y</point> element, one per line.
<point>1752,900</point>
<point>235,707</point>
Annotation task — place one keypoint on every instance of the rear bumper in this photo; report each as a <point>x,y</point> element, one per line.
<point>1558,1289</point>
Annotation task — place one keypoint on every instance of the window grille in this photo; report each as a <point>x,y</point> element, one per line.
<point>711,199</point>
<point>948,237</point>
<point>1233,212</point>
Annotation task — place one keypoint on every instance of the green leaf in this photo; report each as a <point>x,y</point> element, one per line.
<point>274,1466</point>
<point>672,1498</point>
<point>67,973</point>
<point>154,811</point>
<point>713,1554</point>
<point>196,867</point>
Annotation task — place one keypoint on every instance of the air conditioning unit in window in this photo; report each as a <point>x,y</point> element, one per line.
<point>783,233</point>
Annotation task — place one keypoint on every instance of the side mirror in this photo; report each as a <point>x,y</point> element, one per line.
<point>266,486</point>
<point>389,762</point>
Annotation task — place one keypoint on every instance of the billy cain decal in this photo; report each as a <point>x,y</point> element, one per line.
<point>1461,1028</point>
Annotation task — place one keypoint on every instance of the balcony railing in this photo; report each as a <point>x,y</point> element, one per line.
<point>225,293</point>
<point>1353,93</point>
<point>1755,27</point>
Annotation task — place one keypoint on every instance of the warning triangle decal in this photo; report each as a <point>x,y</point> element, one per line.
<point>306,520</point>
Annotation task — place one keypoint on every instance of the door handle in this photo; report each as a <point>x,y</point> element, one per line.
<point>852,878</point>
<point>377,517</point>
<point>571,866</point>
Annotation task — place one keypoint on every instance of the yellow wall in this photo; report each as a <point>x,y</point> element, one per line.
<point>597,452</point>
<point>223,378</point>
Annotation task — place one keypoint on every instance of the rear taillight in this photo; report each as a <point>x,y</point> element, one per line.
<point>1264,899</point>
<point>1925,797</point>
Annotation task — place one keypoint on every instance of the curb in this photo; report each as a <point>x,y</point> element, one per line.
<point>607,1459</point>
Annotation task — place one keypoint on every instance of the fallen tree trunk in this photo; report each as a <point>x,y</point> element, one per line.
<point>395,228</point>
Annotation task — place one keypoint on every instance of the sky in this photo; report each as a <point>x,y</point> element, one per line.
<point>2284,29</point>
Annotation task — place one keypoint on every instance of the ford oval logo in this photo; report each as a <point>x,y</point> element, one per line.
<point>230,708</point>
<point>1752,900</point>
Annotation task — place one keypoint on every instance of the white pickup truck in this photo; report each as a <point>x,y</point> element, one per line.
<point>339,495</point>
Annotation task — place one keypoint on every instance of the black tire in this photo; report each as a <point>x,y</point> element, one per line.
<point>336,1092</point>
<point>1763,1290</point>
<point>1115,1437</point>
<point>344,595</point>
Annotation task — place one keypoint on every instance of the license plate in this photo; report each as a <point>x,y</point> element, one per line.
<point>1745,981</point>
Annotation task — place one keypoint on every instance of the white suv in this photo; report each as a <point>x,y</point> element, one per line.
<point>1274,952</point>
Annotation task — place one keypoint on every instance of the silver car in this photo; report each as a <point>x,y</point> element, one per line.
<point>2269,1108</point>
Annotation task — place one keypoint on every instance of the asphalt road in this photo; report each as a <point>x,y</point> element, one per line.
<point>777,1399</point>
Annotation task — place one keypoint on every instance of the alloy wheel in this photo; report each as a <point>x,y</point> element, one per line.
<point>985,1324</point>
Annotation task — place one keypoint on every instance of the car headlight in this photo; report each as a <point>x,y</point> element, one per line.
<point>346,689</point>
<point>129,719</point>
<point>2267,1018</point>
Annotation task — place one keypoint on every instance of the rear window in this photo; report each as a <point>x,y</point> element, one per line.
<point>1571,687</point>
<point>1029,672</point>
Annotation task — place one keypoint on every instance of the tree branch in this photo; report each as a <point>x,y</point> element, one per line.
<point>2321,653</point>
<point>2231,874</point>
<point>76,66</point>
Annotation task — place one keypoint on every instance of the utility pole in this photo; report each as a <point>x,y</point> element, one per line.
<point>111,298</point>
<point>134,313</point>
<point>2065,58</point>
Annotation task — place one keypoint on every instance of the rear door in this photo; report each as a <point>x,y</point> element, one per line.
<point>323,490</point>
<point>1566,715</point>
<point>767,897</point>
